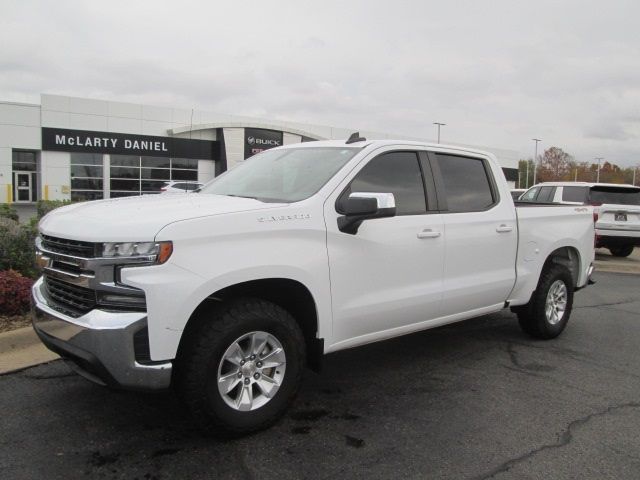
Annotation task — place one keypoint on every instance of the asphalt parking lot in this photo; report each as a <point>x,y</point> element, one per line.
<point>475,400</point>
<point>605,262</point>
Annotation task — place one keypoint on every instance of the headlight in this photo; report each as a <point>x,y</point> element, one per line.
<point>158,252</point>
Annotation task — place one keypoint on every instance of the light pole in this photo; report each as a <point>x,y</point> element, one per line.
<point>598,175</point>
<point>439,125</point>
<point>535,160</point>
<point>634,175</point>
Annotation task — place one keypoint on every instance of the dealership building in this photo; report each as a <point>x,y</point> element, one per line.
<point>69,148</point>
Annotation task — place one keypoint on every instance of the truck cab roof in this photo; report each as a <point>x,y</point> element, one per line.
<point>373,144</point>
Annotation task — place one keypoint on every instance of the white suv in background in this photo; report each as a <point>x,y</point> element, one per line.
<point>180,187</point>
<point>616,209</point>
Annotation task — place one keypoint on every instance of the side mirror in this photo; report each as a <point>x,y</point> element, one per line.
<point>361,206</point>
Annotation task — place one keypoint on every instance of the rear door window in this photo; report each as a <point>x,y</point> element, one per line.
<point>466,183</point>
<point>574,194</point>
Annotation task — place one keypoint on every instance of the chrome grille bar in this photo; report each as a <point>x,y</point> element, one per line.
<point>69,247</point>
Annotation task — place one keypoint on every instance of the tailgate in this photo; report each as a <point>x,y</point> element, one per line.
<point>618,217</point>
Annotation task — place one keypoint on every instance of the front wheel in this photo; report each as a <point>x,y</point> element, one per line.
<point>623,251</point>
<point>242,367</point>
<point>547,313</point>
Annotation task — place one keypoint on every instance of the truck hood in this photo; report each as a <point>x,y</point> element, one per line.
<point>138,219</point>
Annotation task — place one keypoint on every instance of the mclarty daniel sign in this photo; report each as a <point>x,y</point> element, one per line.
<point>64,140</point>
<point>258,139</point>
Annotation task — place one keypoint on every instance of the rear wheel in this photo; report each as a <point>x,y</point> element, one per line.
<point>547,313</point>
<point>242,367</point>
<point>623,251</point>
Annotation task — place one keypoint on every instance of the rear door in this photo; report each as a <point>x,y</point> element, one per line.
<point>481,233</point>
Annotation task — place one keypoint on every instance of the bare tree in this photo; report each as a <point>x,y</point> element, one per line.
<point>556,165</point>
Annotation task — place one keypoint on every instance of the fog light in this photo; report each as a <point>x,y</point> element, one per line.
<point>114,299</point>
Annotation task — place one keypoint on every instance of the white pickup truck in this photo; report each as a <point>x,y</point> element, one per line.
<point>228,293</point>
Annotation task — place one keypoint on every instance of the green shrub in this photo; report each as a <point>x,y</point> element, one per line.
<point>45,206</point>
<point>15,293</point>
<point>7,211</point>
<point>17,247</point>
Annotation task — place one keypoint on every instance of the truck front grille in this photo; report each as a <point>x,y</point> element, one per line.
<point>72,299</point>
<point>64,246</point>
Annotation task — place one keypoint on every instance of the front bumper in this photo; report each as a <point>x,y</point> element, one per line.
<point>99,344</point>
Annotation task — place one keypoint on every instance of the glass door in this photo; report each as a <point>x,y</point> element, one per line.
<point>22,187</point>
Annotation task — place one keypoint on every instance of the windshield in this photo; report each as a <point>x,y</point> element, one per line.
<point>288,175</point>
<point>616,196</point>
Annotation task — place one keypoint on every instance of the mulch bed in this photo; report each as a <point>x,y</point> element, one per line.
<point>14,321</point>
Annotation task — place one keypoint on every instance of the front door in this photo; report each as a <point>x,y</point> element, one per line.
<point>22,187</point>
<point>388,276</point>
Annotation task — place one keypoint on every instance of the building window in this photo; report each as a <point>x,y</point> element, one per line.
<point>87,176</point>
<point>24,161</point>
<point>133,175</point>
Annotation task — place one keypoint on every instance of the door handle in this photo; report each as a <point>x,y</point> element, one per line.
<point>504,228</point>
<point>428,233</point>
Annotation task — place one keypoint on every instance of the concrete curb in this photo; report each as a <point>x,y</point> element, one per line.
<point>21,348</point>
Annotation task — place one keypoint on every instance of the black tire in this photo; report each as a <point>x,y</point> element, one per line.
<point>623,251</point>
<point>198,362</point>
<point>533,317</point>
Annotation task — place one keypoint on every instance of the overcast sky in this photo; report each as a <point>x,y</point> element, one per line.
<point>498,73</point>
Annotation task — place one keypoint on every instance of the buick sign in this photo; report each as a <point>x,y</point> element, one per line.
<point>258,140</point>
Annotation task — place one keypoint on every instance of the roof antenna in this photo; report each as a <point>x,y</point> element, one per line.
<point>355,137</point>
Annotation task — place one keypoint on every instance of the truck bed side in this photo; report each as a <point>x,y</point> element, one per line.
<point>545,229</point>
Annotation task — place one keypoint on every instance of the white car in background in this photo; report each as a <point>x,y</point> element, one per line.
<point>516,192</point>
<point>180,187</point>
<point>616,209</point>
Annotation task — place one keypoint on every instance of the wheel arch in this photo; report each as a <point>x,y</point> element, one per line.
<point>568,257</point>
<point>289,294</point>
